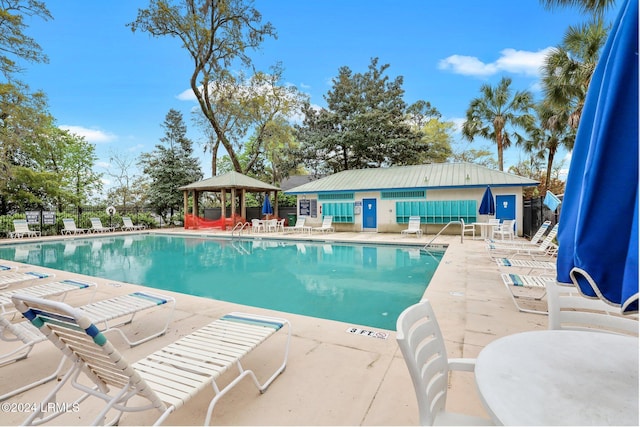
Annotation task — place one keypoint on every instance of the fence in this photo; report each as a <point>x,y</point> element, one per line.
<point>50,222</point>
<point>534,213</point>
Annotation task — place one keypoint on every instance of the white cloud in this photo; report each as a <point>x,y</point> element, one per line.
<point>187,95</point>
<point>510,60</point>
<point>522,61</point>
<point>92,135</point>
<point>105,165</point>
<point>467,65</point>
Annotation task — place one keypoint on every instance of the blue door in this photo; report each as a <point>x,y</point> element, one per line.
<point>506,207</point>
<point>369,215</point>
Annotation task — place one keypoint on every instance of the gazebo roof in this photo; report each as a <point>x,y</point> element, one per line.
<point>230,180</point>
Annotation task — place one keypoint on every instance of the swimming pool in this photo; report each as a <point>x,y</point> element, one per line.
<point>355,283</point>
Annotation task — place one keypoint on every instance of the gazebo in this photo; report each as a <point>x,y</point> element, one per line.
<point>232,182</point>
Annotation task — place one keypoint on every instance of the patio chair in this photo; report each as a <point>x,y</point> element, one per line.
<point>570,310</point>
<point>101,314</point>
<point>11,277</point>
<point>280,225</point>
<point>96,226</point>
<point>413,226</point>
<point>257,226</point>
<point>299,226</point>
<point>326,225</point>
<point>70,227</point>
<point>513,281</point>
<point>467,228</point>
<point>21,229</point>
<point>545,249</point>
<point>127,225</point>
<point>536,239</point>
<point>166,379</point>
<point>422,345</point>
<point>271,225</point>
<point>46,290</point>
<point>506,229</point>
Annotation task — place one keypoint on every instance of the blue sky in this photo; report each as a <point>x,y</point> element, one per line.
<point>115,87</point>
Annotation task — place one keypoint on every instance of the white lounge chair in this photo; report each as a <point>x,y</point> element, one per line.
<point>326,225</point>
<point>21,229</point>
<point>45,290</point>
<point>11,277</point>
<point>70,227</point>
<point>127,225</point>
<point>545,249</point>
<point>97,227</point>
<point>529,264</point>
<point>512,281</point>
<point>4,268</point>
<point>413,227</point>
<point>568,309</point>
<point>165,380</point>
<point>422,345</point>
<point>535,240</point>
<point>123,308</point>
<point>299,226</point>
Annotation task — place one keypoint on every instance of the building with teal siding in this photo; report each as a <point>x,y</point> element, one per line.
<point>383,199</point>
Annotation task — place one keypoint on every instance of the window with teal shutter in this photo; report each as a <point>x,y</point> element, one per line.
<point>341,212</point>
<point>437,211</point>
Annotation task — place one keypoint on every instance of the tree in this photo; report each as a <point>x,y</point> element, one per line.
<point>436,137</point>
<point>550,134</point>
<point>216,35</point>
<point>534,168</point>
<point>52,168</point>
<point>251,108</point>
<point>74,159</point>
<point>480,156</point>
<point>170,166</point>
<point>121,170</point>
<point>587,6</point>
<point>364,125</point>
<point>15,44</point>
<point>494,115</point>
<point>568,69</point>
<point>22,113</point>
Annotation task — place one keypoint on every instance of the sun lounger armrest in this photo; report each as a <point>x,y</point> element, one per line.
<point>462,364</point>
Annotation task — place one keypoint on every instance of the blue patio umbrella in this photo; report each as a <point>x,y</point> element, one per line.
<point>267,209</point>
<point>598,227</point>
<point>488,205</point>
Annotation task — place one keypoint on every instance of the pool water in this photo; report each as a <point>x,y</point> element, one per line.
<point>363,284</point>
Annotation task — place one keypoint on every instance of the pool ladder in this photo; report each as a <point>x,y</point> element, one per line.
<point>239,227</point>
<point>428,245</point>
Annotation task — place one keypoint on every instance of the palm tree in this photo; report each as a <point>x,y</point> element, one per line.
<point>491,115</point>
<point>551,132</point>
<point>568,69</point>
<point>593,6</point>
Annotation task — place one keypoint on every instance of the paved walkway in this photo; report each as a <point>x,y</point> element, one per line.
<point>333,377</point>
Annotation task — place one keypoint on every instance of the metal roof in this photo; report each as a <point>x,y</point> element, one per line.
<point>429,176</point>
<point>230,180</point>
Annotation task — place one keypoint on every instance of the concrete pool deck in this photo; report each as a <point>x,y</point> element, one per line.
<point>333,377</point>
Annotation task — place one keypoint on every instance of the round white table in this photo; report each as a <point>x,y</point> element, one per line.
<point>485,229</point>
<point>560,378</point>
